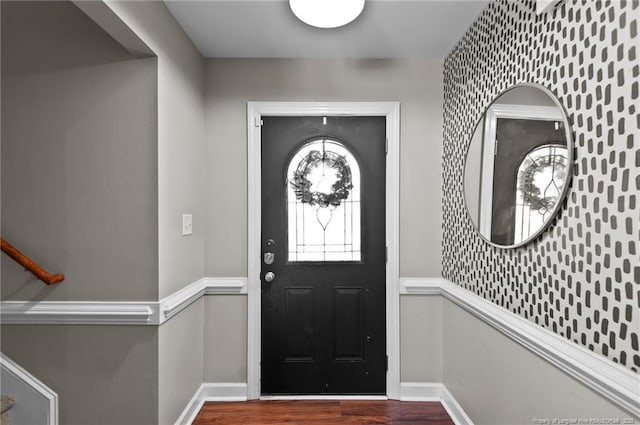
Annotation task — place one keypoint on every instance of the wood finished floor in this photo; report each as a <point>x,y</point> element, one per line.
<point>303,412</point>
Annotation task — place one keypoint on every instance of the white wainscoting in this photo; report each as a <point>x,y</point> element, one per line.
<point>30,393</point>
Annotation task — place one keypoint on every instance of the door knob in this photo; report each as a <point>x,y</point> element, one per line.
<point>269,277</point>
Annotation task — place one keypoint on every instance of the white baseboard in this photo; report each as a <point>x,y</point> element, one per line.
<point>409,391</point>
<point>455,411</point>
<point>420,391</point>
<point>227,391</point>
<point>434,391</point>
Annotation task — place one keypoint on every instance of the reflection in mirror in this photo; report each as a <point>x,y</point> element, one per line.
<point>517,166</point>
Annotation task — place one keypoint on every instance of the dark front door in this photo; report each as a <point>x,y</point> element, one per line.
<point>515,138</point>
<point>323,246</point>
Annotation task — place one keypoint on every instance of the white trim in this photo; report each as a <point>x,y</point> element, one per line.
<point>178,301</point>
<point>435,391</point>
<point>495,111</point>
<point>225,285</point>
<point>420,286</point>
<point>117,313</point>
<point>229,391</point>
<point>191,410</point>
<point>455,411</point>
<point>420,391</point>
<point>78,313</point>
<point>32,382</point>
<point>226,391</point>
<point>255,111</point>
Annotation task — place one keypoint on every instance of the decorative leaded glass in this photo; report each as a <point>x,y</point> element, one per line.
<point>323,203</point>
<point>541,176</point>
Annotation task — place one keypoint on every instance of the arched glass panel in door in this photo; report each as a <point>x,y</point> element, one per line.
<point>541,177</point>
<point>323,203</point>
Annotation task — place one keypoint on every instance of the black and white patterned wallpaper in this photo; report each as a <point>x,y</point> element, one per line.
<point>581,278</point>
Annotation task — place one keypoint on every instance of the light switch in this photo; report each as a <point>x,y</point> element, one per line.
<point>187,224</point>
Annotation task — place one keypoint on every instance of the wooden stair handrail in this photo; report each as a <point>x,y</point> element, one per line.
<point>29,264</point>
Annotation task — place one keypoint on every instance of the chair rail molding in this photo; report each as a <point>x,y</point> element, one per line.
<point>614,382</point>
<point>178,301</point>
<point>114,312</point>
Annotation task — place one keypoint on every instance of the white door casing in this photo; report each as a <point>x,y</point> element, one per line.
<point>255,112</point>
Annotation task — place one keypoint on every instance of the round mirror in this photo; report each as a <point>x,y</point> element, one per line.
<point>518,166</point>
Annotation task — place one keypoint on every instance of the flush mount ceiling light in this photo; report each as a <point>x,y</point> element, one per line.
<point>326,13</point>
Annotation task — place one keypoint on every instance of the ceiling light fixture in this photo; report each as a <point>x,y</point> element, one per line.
<point>326,13</point>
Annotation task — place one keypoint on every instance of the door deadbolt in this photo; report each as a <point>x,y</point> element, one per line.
<point>269,257</point>
<point>269,277</point>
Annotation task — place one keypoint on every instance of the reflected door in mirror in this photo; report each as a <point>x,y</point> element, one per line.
<point>516,168</point>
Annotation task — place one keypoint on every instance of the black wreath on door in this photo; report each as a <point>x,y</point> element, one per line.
<point>339,190</point>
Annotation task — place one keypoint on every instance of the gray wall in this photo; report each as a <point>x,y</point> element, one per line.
<point>225,343</point>
<point>497,381</point>
<point>79,184</point>
<point>79,169</point>
<point>103,155</point>
<point>180,84</point>
<point>180,140</point>
<point>180,352</point>
<point>230,84</point>
<point>420,338</point>
<point>102,374</point>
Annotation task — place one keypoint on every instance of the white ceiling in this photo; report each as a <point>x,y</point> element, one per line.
<point>425,29</point>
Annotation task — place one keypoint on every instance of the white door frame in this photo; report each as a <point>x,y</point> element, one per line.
<point>255,112</point>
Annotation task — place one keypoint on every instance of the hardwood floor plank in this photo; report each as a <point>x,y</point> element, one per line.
<point>317,412</point>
